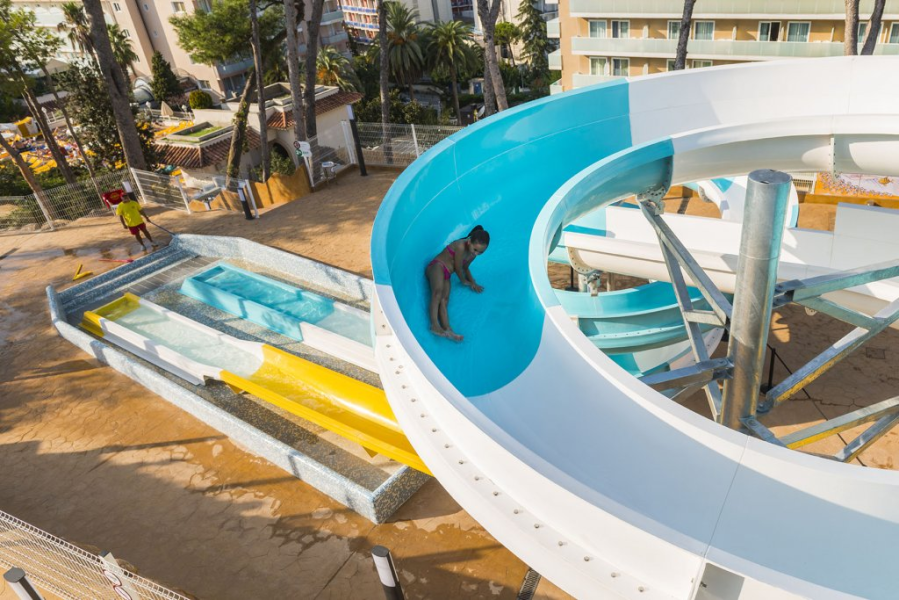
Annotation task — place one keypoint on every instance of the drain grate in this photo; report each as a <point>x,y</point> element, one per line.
<point>529,585</point>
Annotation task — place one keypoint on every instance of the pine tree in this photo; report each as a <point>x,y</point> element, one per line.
<point>165,85</point>
<point>535,44</point>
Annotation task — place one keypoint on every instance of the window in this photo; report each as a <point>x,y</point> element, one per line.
<point>127,33</point>
<point>146,6</point>
<point>203,83</point>
<point>703,30</point>
<point>894,34</point>
<point>670,64</point>
<point>862,31</point>
<point>769,31</point>
<point>178,7</point>
<point>673,30</point>
<point>204,5</point>
<point>621,29</point>
<point>798,32</point>
<point>620,66</point>
<point>116,7</point>
<point>698,64</point>
<point>597,29</point>
<point>598,65</point>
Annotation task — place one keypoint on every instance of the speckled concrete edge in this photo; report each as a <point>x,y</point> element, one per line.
<point>376,506</point>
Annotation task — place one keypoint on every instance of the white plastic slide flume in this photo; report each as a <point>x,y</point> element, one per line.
<point>596,481</point>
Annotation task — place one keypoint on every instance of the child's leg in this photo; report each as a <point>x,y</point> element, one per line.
<point>436,281</point>
<point>444,315</point>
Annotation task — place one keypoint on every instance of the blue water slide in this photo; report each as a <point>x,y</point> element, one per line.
<point>603,485</point>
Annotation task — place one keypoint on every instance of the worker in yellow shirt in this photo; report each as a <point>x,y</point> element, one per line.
<point>132,216</point>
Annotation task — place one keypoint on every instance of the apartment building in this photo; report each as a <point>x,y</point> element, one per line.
<point>605,39</point>
<point>146,23</point>
<point>361,16</point>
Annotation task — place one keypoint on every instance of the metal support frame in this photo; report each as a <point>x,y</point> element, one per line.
<point>706,373</point>
<point>677,257</point>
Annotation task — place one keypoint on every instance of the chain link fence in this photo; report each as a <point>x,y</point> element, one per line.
<point>397,144</point>
<point>60,206</point>
<point>56,566</point>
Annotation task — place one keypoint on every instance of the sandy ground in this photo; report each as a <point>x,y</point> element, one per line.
<point>93,457</point>
<point>98,460</point>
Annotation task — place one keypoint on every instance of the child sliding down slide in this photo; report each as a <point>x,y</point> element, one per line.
<point>455,258</point>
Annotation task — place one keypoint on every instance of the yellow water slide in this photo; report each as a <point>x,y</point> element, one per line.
<point>350,408</point>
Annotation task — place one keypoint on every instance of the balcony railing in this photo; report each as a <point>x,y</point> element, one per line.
<point>714,49</point>
<point>227,70</point>
<point>706,8</point>
<point>555,88</point>
<point>335,38</point>
<point>332,17</point>
<point>555,60</point>
<point>552,29</point>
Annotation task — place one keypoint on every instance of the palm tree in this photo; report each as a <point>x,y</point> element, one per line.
<point>850,35</point>
<point>76,27</point>
<point>405,56</point>
<point>449,47</point>
<point>333,68</point>
<point>313,27</point>
<point>874,25</point>
<point>293,16</point>
<point>122,51</point>
<point>116,84</point>
<point>680,57</point>
<point>494,90</point>
<point>259,64</point>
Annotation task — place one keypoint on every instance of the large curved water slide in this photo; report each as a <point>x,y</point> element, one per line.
<point>603,485</point>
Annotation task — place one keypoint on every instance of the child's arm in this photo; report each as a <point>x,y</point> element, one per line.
<point>471,282</point>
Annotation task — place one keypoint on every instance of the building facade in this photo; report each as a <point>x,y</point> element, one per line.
<point>146,23</point>
<point>605,39</point>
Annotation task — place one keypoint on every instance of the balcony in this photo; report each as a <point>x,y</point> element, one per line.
<point>747,9</point>
<point>335,38</point>
<point>717,49</point>
<point>552,29</point>
<point>579,80</point>
<point>226,70</point>
<point>555,88</point>
<point>332,17</point>
<point>555,60</point>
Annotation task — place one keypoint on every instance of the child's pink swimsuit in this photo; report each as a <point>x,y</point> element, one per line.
<point>446,271</point>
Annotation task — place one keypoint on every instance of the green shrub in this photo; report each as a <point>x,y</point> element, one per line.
<point>282,164</point>
<point>199,99</point>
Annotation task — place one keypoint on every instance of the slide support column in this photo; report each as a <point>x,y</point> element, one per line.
<point>767,196</point>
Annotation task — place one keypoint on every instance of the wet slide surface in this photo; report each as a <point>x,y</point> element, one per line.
<point>565,458</point>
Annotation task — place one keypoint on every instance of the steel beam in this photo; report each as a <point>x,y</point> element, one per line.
<point>800,438</point>
<point>767,197</point>
<point>719,304</point>
<point>868,437</point>
<point>760,431</point>
<point>837,352</point>
<point>799,289</point>
<point>837,311</point>
<point>699,373</point>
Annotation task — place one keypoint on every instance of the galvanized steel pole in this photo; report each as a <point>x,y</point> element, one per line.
<point>767,196</point>
<point>390,581</point>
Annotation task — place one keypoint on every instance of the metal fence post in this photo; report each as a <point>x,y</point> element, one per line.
<point>357,141</point>
<point>134,175</point>
<point>767,196</point>
<point>19,583</point>
<point>415,141</point>
<point>387,573</point>
<point>183,194</point>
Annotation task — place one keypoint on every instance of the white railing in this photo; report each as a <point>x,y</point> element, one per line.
<point>734,8</point>
<point>56,566</point>
<point>399,144</point>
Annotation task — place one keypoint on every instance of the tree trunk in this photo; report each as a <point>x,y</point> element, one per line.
<point>455,94</point>
<point>71,128</point>
<point>850,35</point>
<point>874,27</point>
<point>489,14</point>
<point>260,89</point>
<point>29,177</point>
<point>312,31</point>
<point>489,93</point>
<point>384,82</point>
<point>41,119</point>
<point>232,170</point>
<point>680,57</point>
<point>116,85</point>
<point>291,18</point>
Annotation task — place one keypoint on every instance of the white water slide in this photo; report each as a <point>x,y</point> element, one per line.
<point>598,482</point>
